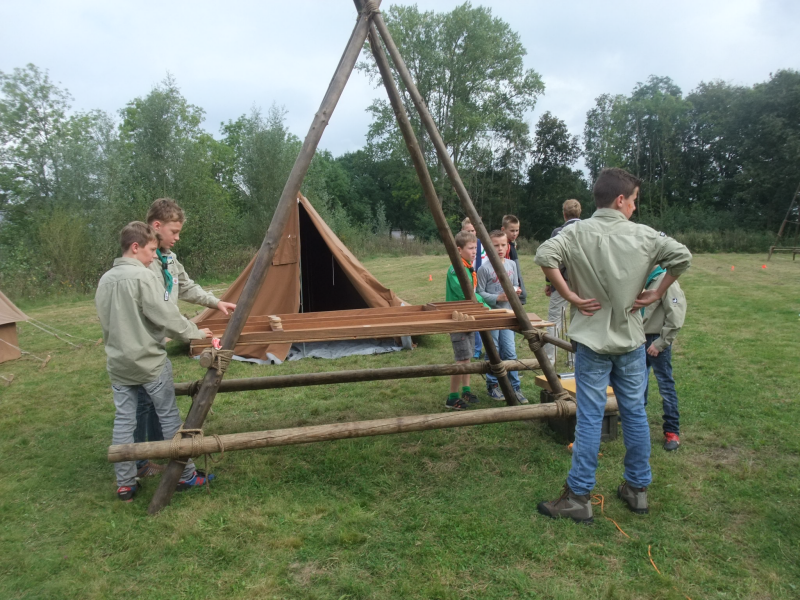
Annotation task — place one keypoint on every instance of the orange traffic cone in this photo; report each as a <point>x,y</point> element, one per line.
<point>430,277</point>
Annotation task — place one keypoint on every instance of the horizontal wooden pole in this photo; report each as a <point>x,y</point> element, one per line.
<point>333,377</point>
<point>556,341</point>
<point>340,431</point>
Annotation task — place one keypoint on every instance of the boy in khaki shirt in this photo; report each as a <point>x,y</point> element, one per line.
<point>136,319</point>
<point>608,259</point>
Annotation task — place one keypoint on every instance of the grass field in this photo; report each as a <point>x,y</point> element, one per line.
<point>445,514</point>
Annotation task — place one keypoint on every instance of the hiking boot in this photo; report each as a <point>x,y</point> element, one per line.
<point>569,504</point>
<point>150,469</point>
<point>469,397</point>
<point>671,441</point>
<point>495,393</point>
<point>127,492</point>
<point>520,398</point>
<point>635,498</point>
<point>455,403</point>
<point>196,481</point>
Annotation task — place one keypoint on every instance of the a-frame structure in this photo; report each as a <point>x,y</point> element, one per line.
<point>370,24</point>
<point>792,218</point>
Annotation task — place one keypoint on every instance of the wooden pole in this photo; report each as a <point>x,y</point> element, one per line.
<point>354,376</point>
<point>340,431</point>
<point>556,341</point>
<point>432,199</point>
<point>466,203</point>
<point>208,389</point>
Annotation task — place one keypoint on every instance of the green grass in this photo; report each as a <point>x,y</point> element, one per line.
<point>443,514</point>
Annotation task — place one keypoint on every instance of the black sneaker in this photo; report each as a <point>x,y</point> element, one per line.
<point>127,492</point>
<point>671,441</point>
<point>455,403</point>
<point>469,397</point>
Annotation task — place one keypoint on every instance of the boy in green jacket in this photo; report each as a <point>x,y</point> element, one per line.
<point>463,343</point>
<point>168,219</point>
<point>136,319</point>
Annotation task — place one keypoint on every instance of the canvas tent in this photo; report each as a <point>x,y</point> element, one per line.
<point>10,315</point>
<point>312,271</point>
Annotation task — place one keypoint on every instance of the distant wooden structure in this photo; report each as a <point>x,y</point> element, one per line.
<point>792,218</point>
<point>190,441</point>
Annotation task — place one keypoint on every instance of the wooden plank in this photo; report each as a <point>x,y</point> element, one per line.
<point>567,384</point>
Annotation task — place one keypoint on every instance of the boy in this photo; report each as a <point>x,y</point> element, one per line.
<point>608,259</point>
<point>463,343</point>
<point>571,211</point>
<point>491,291</point>
<point>480,256</point>
<point>511,229</point>
<point>662,322</point>
<point>135,320</point>
<point>167,219</point>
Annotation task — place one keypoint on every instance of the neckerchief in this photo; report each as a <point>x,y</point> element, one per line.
<point>469,268</point>
<point>165,271</point>
<point>656,272</point>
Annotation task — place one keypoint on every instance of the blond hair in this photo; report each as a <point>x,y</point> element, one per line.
<point>498,233</point>
<point>136,232</point>
<point>510,220</point>
<point>165,210</point>
<point>571,209</point>
<point>465,237</point>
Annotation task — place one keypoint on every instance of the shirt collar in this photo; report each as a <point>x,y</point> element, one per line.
<point>608,213</point>
<point>123,260</point>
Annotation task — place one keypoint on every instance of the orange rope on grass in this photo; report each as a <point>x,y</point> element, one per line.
<point>600,499</point>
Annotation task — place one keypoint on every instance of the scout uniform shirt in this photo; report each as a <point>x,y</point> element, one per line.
<point>135,319</point>
<point>183,288</point>
<point>665,317</point>
<point>609,259</point>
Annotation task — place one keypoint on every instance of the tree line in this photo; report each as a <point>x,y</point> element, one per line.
<point>719,164</point>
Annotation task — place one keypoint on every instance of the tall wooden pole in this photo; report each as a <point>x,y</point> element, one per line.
<point>534,338</point>
<point>208,389</point>
<point>433,201</point>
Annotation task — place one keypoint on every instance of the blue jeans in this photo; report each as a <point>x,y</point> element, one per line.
<point>148,427</point>
<point>626,373</point>
<point>662,367</point>
<point>478,345</point>
<point>504,340</point>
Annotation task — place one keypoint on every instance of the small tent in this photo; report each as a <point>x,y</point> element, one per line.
<point>10,315</point>
<point>312,271</point>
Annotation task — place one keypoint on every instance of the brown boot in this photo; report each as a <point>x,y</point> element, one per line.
<point>634,497</point>
<point>578,508</point>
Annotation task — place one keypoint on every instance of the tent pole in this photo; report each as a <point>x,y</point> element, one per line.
<point>208,389</point>
<point>433,201</point>
<point>534,338</point>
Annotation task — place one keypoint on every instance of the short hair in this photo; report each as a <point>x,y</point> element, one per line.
<point>465,222</point>
<point>497,233</point>
<point>612,183</point>
<point>465,237</point>
<point>510,220</point>
<point>571,209</point>
<point>165,210</point>
<point>136,232</point>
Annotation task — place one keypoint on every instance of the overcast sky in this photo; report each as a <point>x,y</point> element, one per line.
<point>230,56</point>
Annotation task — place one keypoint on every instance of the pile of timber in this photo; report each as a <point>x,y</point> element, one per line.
<point>368,323</point>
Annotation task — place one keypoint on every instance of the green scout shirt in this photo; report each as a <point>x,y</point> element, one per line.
<point>453,291</point>
<point>135,319</point>
<point>183,288</point>
<point>609,259</point>
<point>665,317</point>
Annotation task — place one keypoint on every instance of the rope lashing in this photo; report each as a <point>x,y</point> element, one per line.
<point>564,404</point>
<point>197,449</point>
<point>499,370</point>
<point>218,359</point>
<point>534,338</point>
<point>370,8</point>
<point>194,387</point>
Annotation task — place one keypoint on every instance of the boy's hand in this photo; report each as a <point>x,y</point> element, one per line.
<point>587,307</point>
<point>207,332</point>
<point>645,299</point>
<point>653,351</point>
<point>547,291</point>
<point>226,307</point>
<point>502,297</point>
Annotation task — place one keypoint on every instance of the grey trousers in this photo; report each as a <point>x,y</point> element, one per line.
<point>554,316</point>
<point>126,398</point>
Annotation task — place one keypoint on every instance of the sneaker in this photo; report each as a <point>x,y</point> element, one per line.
<point>520,398</point>
<point>455,403</point>
<point>196,481</point>
<point>569,504</point>
<point>478,355</point>
<point>671,441</point>
<point>127,492</point>
<point>150,469</point>
<point>495,393</point>
<point>469,397</point>
<point>635,498</point>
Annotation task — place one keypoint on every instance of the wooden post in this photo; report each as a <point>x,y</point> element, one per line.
<point>208,389</point>
<point>432,199</point>
<point>331,378</point>
<point>340,431</point>
<point>466,203</point>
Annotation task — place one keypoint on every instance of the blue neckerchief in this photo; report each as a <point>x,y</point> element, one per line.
<point>656,272</point>
<point>165,270</point>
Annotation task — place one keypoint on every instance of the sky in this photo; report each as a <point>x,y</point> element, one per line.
<point>230,57</point>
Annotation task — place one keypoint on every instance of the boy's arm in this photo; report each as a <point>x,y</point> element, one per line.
<point>675,258</point>
<point>165,314</point>
<point>483,279</point>
<point>453,291</point>
<point>674,303</point>
<point>191,292</point>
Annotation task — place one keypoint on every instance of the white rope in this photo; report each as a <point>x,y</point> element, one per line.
<point>23,351</point>
<point>48,326</point>
<point>53,334</point>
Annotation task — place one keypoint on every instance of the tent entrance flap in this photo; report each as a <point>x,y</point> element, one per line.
<point>325,285</point>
